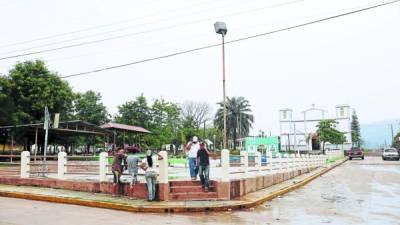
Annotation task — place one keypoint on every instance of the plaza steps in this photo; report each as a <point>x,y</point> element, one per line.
<point>191,190</point>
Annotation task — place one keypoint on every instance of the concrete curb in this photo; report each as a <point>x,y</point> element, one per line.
<point>168,209</point>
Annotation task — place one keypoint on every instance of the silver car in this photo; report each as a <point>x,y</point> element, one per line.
<point>390,153</point>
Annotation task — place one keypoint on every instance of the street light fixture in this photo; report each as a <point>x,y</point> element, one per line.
<point>220,28</point>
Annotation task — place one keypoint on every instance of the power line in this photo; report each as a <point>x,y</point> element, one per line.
<point>153,44</point>
<point>102,26</point>
<point>148,31</point>
<point>148,23</point>
<point>233,41</point>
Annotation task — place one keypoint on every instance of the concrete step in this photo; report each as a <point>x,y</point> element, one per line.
<point>193,196</point>
<point>188,183</point>
<point>185,189</point>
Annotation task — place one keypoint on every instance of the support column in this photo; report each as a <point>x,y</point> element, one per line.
<point>163,178</point>
<point>286,160</point>
<point>25,167</point>
<point>224,187</point>
<point>244,159</point>
<point>103,162</point>
<point>270,161</point>
<point>61,168</point>
<point>258,161</point>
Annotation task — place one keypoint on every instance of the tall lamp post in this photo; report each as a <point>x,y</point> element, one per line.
<point>220,28</point>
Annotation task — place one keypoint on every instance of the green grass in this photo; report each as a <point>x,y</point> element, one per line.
<point>175,161</point>
<point>334,159</point>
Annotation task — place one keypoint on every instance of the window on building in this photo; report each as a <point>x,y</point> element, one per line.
<point>342,112</point>
<point>284,115</point>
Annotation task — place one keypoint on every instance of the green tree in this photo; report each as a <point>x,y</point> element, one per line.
<point>239,119</point>
<point>31,87</point>
<point>164,123</point>
<point>327,133</point>
<point>88,107</point>
<point>135,113</point>
<point>355,130</point>
<point>7,108</point>
<point>396,141</point>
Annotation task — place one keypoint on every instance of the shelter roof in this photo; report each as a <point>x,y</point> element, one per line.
<point>125,127</point>
<point>72,127</point>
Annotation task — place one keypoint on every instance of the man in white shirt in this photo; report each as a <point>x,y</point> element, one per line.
<point>191,149</point>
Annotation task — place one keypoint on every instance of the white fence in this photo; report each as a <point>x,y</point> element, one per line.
<point>246,166</point>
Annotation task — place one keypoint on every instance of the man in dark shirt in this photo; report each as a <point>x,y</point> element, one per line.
<point>203,162</point>
<point>117,168</point>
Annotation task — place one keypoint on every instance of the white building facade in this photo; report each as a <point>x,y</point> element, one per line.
<point>298,133</point>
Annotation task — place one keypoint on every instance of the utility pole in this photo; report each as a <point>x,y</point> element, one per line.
<point>391,128</point>
<point>220,28</point>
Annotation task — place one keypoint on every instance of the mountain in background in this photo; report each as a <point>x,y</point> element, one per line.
<point>378,134</point>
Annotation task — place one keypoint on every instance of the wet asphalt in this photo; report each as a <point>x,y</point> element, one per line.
<point>358,192</point>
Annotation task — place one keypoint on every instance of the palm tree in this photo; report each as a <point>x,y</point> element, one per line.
<point>239,119</point>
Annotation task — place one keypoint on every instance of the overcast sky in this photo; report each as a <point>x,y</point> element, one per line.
<point>351,60</point>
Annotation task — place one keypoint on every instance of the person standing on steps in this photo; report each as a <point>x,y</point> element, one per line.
<point>191,149</point>
<point>203,161</point>
<point>132,162</point>
<point>119,162</point>
<point>150,173</point>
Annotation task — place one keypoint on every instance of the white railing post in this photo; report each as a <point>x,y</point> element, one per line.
<point>301,161</point>
<point>258,161</point>
<point>163,167</point>
<point>313,161</point>
<point>61,168</point>
<point>163,180</point>
<point>292,159</point>
<point>225,164</point>
<point>103,162</point>
<point>281,162</point>
<point>286,160</point>
<point>269,161</point>
<point>25,167</point>
<point>297,162</point>
<point>244,159</point>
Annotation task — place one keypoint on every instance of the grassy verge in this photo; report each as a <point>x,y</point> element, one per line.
<point>175,161</point>
<point>334,159</point>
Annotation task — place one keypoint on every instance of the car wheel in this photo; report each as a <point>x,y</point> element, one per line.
<point>383,158</point>
<point>350,158</point>
<point>362,158</point>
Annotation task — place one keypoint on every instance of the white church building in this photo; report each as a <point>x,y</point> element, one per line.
<point>298,131</point>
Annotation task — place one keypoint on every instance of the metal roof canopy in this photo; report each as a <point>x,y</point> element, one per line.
<point>74,127</point>
<point>125,127</point>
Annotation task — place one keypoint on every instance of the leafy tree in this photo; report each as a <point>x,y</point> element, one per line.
<point>135,113</point>
<point>31,87</point>
<point>355,130</point>
<point>164,123</point>
<point>88,107</point>
<point>7,109</point>
<point>396,141</point>
<point>327,133</point>
<point>239,119</point>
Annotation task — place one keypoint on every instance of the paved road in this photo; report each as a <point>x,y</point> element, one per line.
<point>358,192</point>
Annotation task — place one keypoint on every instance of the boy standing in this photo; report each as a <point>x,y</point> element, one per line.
<point>203,161</point>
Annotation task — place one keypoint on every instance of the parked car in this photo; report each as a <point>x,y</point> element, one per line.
<point>390,153</point>
<point>356,153</point>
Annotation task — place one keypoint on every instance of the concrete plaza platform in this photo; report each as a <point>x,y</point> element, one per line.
<point>125,204</point>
